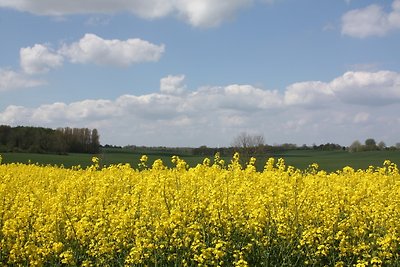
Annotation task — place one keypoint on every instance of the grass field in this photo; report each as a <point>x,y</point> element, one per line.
<point>327,160</point>
<point>335,160</point>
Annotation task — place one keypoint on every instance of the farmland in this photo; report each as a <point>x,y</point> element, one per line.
<point>327,160</point>
<point>215,214</point>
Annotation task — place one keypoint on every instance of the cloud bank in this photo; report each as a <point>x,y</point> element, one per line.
<point>348,108</point>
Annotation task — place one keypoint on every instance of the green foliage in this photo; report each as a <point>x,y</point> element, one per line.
<point>369,145</point>
<point>45,140</point>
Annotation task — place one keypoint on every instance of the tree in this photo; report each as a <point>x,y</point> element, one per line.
<point>245,140</point>
<point>370,144</point>
<point>397,145</point>
<point>95,142</point>
<point>46,140</point>
<point>381,145</point>
<point>356,146</point>
<point>248,145</point>
<point>5,131</point>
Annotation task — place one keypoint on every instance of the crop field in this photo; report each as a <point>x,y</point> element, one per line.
<point>217,213</point>
<point>329,161</point>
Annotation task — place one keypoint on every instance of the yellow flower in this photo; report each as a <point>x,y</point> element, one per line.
<point>208,215</point>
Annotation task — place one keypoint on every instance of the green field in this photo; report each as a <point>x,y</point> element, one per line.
<point>327,160</point>
<point>335,160</point>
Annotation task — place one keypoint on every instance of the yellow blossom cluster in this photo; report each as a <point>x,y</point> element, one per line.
<point>214,214</point>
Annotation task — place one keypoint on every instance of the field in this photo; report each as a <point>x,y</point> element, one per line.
<point>327,160</point>
<point>215,214</point>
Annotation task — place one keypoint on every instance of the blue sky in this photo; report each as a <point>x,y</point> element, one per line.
<point>200,72</point>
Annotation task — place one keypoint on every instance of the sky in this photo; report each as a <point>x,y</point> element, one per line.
<point>200,72</point>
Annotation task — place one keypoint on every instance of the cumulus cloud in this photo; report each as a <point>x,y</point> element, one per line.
<point>94,49</point>
<point>233,98</point>
<point>202,13</point>
<point>238,99</point>
<point>39,59</point>
<point>362,88</point>
<point>371,21</point>
<point>172,84</point>
<point>11,80</point>
<point>355,105</point>
<point>15,115</point>
<point>250,97</point>
<point>312,93</point>
<point>368,88</point>
<point>74,112</point>
<point>90,49</point>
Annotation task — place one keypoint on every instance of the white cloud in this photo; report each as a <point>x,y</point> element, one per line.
<point>49,113</point>
<point>11,80</point>
<point>172,84</point>
<point>91,109</point>
<point>14,115</point>
<point>362,88</point>
<point>74,112</point>
<point>368,88</point>
<point>371,21</point>
<point>352,106</point>
<point>236,98</point>
<point>361,117</point>
<point>202,13</point>
<point>94,49</point>
<point>152,107</point>
<point>209,13</point>
<point>154,113</point>
<point>313,93</point>
<point>250,97</point>
<point>39,59</point>
<point>90,49</point>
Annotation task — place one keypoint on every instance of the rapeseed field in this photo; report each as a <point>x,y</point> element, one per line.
<point>215,214</point>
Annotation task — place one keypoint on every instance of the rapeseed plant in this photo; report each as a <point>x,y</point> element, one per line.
<point>214,214</point>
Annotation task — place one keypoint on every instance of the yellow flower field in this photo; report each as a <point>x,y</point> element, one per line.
<point>215,214</point>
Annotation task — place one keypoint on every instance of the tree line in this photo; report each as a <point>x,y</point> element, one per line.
<point>46,140</point>
<point>253,145</point>
<point>371,145</point>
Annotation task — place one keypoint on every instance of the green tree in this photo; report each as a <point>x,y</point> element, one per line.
<point>381,145</point>
<point>370,144</point>
<point>95,142</point>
